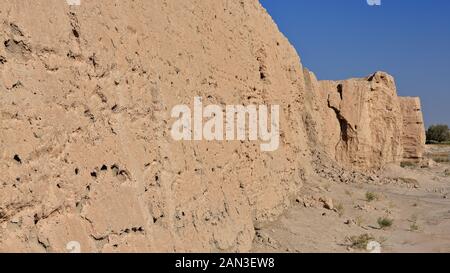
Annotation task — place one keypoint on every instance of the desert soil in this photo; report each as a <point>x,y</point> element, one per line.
<point>332,216</point>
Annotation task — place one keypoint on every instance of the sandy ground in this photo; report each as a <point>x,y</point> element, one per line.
<point>415,199</point>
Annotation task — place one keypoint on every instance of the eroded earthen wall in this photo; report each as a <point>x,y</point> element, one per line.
<point>85,147</point>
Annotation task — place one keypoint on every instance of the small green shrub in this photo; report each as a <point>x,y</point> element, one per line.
<point>414,227</point>
<point>385,222</point>
<point>371,196</point>
<point>361,241</point>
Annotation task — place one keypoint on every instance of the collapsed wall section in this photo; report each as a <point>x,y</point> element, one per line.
<point>363,123</point>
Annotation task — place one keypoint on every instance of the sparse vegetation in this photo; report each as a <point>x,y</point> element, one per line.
<point>438,134</point>
<point>414,227</point>
<point>340,209</point>
<point>440,156</point>
<point>361,241</point>
<point>444,159</point>
<point>359,221</point>
<point>371,196</point>
<point>392,205</point>
<point>385,222</point>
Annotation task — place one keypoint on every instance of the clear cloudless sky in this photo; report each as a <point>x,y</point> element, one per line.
<point>409,39</point>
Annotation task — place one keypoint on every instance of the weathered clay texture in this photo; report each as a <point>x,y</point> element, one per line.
<point>85,147</point>
<point>86,94</point>
<point>413,129</point>
<point>362,123</point>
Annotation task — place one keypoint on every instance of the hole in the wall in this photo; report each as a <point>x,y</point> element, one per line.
<point>262,76</point>
<point>17,159</point>
<point>75,33</point>
<point>115,169</point>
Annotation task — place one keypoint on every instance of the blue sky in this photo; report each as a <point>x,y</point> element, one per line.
<point>410,39</point>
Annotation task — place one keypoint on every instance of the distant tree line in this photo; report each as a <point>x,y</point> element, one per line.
<point>438,134</point>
